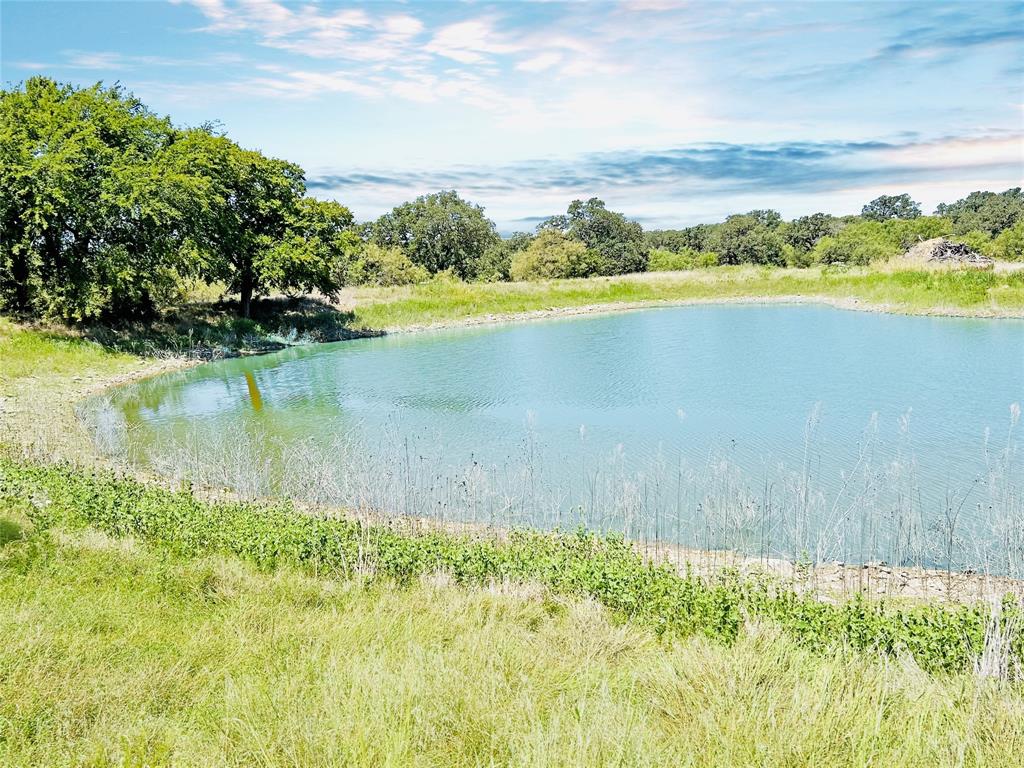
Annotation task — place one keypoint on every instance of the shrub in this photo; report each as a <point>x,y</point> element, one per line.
<point>1009,244</point>
<point>977,240</point>
<point>863,242</point>
<point>748,239</point>
<point>905,233</point>
<point>686,258</point>
<point>496,263</point>
<point>553,255</point>
<point>377,265</point>
<point>794,256</point>
<point>850,250</point>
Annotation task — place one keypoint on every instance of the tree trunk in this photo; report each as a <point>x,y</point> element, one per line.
<point>245,290</point>
<point>20,273</point>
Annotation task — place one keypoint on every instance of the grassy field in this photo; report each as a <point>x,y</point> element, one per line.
<point>919,292</point>
<point>52,357</point>
<point>205,328</point>
<point>116,654</point>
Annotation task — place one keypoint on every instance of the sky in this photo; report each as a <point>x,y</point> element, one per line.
<point>672,112</point>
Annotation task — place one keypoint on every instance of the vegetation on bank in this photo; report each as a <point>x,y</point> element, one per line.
<point>119,654</point>
<point>110,212</point>
<point>440,301</point>
<point>608,570</point>
<point>57,355</point>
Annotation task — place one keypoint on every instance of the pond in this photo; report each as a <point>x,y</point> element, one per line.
<point>784,430</point>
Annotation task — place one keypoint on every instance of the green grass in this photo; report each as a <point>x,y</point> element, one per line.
<point>904,291</point>
<point>939,638</point>
<point>55,356</point>
<point>116,654</point>
<point>210,329</point>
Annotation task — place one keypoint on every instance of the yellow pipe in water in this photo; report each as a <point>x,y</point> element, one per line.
<point>254,392</point>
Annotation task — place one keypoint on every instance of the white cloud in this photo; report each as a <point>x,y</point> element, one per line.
<point>960,153</point>
<point>96,60</point>
<point>652,5</point>
<point>469,41</point>
<point>571,71</point>
<point>540,62</point>
<point>301,84</point>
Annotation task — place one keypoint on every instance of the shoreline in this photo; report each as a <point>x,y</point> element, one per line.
<point>850,304</point>
<point>55,403</point>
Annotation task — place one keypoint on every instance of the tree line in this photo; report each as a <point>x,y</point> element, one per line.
<point>989,222</point>
<point>107,210</point>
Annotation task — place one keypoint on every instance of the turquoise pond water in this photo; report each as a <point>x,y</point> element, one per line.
<point>776,429</point>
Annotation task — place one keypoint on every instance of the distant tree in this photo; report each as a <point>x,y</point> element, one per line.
<point>619,241</point>
<point>990,212</point>
<point>887,207</point>
<point>697,238</point>
<point>805,232</point>
<point>747,239</point>
<point>552,254</point>
<point>496,262</point>
<point>374,265</point>
<point>766,217</point>
<point>440,232</point>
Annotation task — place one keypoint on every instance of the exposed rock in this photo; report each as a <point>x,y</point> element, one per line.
<point>939,250</point>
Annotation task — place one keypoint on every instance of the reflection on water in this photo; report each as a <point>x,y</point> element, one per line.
<point>844,434</point>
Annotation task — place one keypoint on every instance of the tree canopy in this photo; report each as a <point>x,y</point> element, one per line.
<point>89,212</point>
<point>749,238</point>
<point>249,203</point>
<point>804,232</point>
<point>619,241</point>
<point>887,207</point>
<point>439,232</point>
<point>105,205</point>
<point>990,212</point>
<point>696,238</point>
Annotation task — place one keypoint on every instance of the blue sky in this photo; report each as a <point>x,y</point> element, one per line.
<point>673,112</point>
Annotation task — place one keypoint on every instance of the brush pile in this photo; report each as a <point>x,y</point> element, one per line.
<point>942,251</point>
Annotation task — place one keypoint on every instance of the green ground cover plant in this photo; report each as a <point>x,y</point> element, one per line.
<point>607,569</point>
